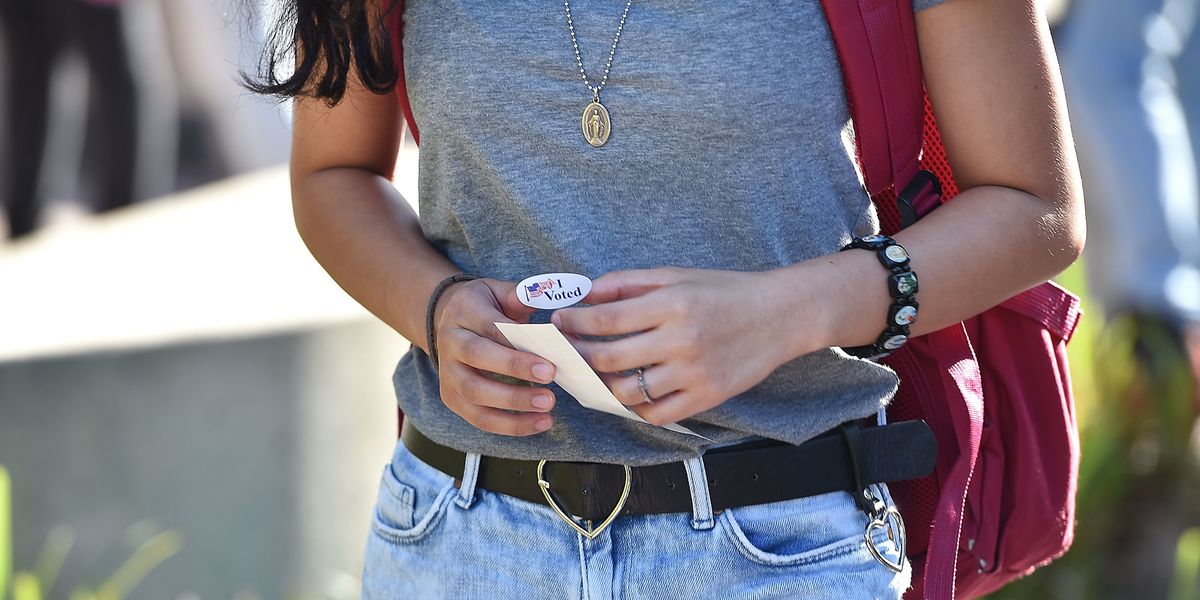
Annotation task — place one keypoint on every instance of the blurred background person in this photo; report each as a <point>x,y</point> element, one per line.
<point>224,129</point>
<point>164,110</point>
<point>1132,72</point>
<point>1131,69</point>
<point>37,33</point>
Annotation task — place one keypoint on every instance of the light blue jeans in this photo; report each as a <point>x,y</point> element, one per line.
<point>431,539</point>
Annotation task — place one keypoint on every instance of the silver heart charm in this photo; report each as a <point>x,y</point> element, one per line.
<point>892,524</point>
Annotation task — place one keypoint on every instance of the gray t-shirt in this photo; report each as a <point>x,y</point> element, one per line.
<point>730,149</point>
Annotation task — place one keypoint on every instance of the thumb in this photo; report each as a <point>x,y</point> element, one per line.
<point>512,307</point>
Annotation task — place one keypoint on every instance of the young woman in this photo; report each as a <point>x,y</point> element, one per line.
<point>709,200</point>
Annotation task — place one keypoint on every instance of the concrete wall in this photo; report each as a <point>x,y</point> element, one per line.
<point>208,378</point>
<point>261,452</point>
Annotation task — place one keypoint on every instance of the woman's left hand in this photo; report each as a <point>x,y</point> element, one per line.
<point>701,336</point>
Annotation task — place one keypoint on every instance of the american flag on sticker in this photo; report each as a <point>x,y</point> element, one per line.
<point>537,289</point>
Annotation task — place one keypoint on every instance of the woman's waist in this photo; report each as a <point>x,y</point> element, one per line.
<point>790,405</point>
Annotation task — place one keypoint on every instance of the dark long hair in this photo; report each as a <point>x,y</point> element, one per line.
<point>334,36</point>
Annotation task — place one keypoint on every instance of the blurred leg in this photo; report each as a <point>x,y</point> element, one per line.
<point>1137,162</point>
<point>1186,14</point>
<point>100,34</point>
<point>1168,93</point>
<point>1140,184</point>
<point>30,31</point>
<point>244,132</point>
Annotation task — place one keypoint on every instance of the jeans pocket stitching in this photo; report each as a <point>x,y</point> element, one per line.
<point>420,529</point>
<point>821,553</point>
<point>401,494</point>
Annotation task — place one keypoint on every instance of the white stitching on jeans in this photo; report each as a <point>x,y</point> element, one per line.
<point>427,524</point>
<point>702,513</point>
<point>583,571</point>
<point>466,491</point>
<point>830,551</point>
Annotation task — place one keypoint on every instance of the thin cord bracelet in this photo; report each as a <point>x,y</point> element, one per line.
<point>430,335</point>
<point>902,287</point>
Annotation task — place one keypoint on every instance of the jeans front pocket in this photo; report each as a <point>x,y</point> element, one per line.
<point>803,531</point>
<point>413,498</point>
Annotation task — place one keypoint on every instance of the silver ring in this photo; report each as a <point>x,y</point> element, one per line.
<point>641,373</point>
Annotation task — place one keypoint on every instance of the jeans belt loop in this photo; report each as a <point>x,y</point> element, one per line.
<point>466,491</point>
<point>702,511</point>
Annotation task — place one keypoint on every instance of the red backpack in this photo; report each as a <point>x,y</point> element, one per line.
<point>994,389</point>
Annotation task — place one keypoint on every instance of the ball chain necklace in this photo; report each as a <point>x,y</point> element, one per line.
<point>596,122</point>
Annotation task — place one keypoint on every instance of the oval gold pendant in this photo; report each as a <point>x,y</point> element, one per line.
<point>596,125</point>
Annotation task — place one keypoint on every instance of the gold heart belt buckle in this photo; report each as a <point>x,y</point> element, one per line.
<point>588,533</point>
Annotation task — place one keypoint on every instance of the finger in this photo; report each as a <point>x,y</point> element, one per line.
<point>473,387</point>
<point>613,382</point>
<point>624,354</point>
<point>671,408</point>
<point>485,354</point>
<point>622,285</point>
<point>615,318</point>
<point>500,422</point>
<point>661,382</point>
<point>510,304</point>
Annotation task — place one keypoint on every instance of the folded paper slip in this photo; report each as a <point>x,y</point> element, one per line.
<point>572,374</point>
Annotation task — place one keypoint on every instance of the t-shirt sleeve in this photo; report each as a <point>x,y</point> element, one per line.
<point>923,4</point>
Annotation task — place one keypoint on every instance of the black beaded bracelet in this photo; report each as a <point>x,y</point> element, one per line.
<point>902,287</point>
<point>430,337</point>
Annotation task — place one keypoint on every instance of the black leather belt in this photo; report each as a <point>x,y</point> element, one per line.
<point>751,473</point>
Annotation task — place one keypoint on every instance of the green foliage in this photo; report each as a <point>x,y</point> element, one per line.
<point>1186,585</point>
<point>149,555</point>
<point>54,553</point>
<point>34,585</point>
<point>26,587</point>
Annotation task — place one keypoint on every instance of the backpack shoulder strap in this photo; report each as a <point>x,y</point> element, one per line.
<point>876,42</point>
<point>395,25</point>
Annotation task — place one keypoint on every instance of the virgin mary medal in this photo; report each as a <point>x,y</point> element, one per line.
<point>596,124</point>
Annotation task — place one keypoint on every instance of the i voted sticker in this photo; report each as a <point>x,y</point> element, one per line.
<point>553,290</point>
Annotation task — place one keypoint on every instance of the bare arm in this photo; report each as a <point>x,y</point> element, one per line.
<point>350,216</point>
<point>369,240</point>
<point>993,80</point>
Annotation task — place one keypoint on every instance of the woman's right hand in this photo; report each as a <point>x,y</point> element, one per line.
<point>469,345</point>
